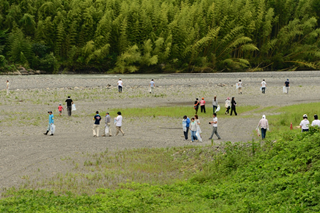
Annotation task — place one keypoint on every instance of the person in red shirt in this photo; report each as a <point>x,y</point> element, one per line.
<point>60,108</point>
<point>203,105</point>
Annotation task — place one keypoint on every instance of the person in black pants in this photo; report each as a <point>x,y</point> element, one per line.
<point>69,105</point>
<point>233,106</point>
<point>196,105</point>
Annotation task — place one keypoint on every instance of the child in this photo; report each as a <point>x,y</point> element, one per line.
<point>193,128</point>
<point>60,108</point>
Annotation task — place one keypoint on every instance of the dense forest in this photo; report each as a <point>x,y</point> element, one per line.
<point>125,36</point>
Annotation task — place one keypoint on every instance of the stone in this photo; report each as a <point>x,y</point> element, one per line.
<point>37,72</point>
<point>31,73</point>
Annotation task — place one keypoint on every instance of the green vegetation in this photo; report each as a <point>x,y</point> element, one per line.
<point>126,36</point>
<point>280,174</point>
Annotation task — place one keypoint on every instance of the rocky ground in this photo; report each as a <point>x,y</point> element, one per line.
<point>25,151</point>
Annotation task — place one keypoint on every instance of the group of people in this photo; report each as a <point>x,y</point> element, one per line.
<point>264,86</point>
<point>107,129</point>
<point>304,124</point>
<point>194,126</point>
<point>120,86</point>
<point>228,105</point>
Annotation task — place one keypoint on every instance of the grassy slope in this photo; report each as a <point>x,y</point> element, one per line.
<point>281,176</point>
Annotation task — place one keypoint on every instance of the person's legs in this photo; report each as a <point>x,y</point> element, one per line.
<point>215,130</point>
<point>232,109</point>
<point>7,91</point>
<point>197,108</point>
<point>193,135</point>
<point>263,90</point>
<point>121,130</point>
<point>235,112</point>
<point>187,131</point>
<point>240,90</point>
<point>48,129</point>
<point>201,109</point>
<point>152,90</point>
<point>214,108</point>
<point>118,129</point>
<point>120,89</point>
<point>69,110</point>
<point>110,133</point>
<point>263,133</point>
<point>212,133</point>
<point>98,128</point>
<point>94,130</point>
<point>287,90</point>
<point>204,108</point>
<point>185,135</point>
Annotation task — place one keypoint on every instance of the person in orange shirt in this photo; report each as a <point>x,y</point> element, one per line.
<point>203,105</point>
<point>60,108</point>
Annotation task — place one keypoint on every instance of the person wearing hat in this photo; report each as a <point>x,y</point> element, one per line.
<point>264,125</point>
<point>118,121</point>
<point>287,85</point>
<point>196,105</point>
<point>107,124</point>
<point>304,124</point>
<point>51,122</point>
<point>227,105</point>
<point>203,105</point>
<point>315,122</point>
<point>60,108</point>
<point>96,125</point>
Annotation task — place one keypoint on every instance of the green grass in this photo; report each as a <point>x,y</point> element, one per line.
<point>280,174</point>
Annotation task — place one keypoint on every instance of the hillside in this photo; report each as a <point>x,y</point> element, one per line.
<point>125,36</point>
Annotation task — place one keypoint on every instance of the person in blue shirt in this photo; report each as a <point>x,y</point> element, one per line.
<point>185,125</point>
<point>96,125</point>
<point>51,122</point>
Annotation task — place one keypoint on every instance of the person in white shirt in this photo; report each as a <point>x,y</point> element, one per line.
<point>264,125</point>
<point>304,124</point>
<point>263,86</point>
<point>120,84</point>
<point>214,104</point>
<point>239,87</point>
<point>7,87</point>
<point>193,129</point>
<point>214,126</point>
<point>152,85</point>
<point>316,122</point>
<point>227,106</point>
<point>118,121</point>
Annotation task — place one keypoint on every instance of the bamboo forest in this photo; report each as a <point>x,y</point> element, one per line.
<point>141,36</point>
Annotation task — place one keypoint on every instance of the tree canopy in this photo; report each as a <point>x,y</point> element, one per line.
<point>126,36</point>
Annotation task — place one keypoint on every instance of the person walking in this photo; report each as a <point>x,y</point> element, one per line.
<point>51,123</point>
<point>8,87</point>
<point>107,129</point>
<point>118,120</point>
<point>287,85</point>
<point>304,124</point>
<point>185,126</point>
<point>203,105</point>
<point>193,129</point>
<point>60,108</point>
<point>227,106</point>
<point>96,125</point>
<point>214,126</point>
<point>233,106</point>
<point>239,87</point>
<point>315,122</point>
<point>120,85</point>
<point>214,104</point>
<point>263,86</point>
<point>152,85</point>
<point>69,105</point>
<point>264,125</point>
<point>196,105</point>
<point>198,133</point>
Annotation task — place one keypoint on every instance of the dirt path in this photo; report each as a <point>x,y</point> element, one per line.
<point>25,152</point>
